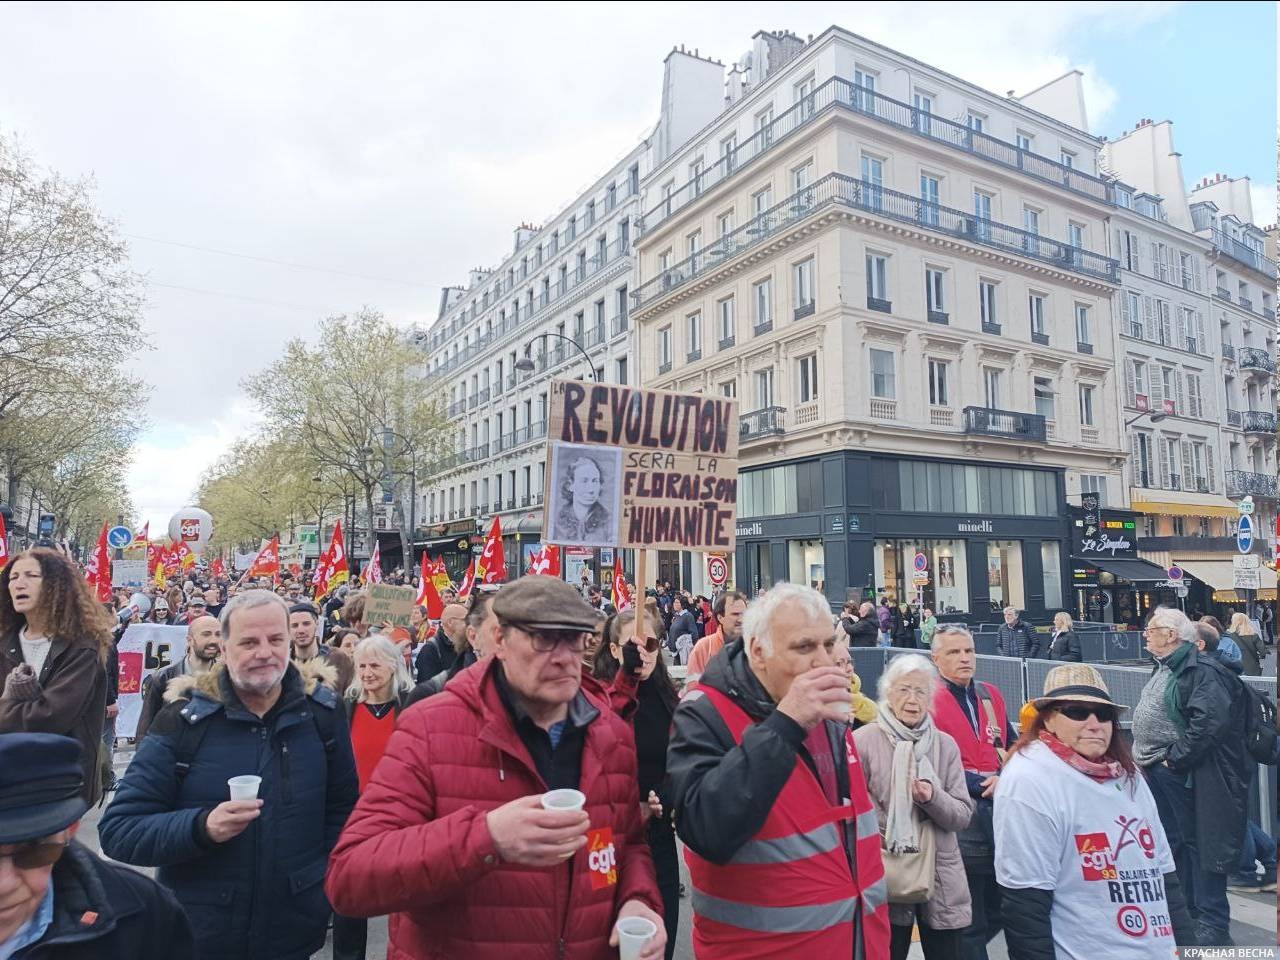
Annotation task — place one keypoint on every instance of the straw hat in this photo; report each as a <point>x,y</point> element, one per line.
<point>1078,682</point>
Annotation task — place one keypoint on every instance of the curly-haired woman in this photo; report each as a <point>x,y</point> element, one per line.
<point>54,642</point>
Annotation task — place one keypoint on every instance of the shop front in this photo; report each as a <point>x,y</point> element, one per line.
<point>1110,583</point>
<point>453,543</point>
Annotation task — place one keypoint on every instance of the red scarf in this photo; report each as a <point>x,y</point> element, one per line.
<point>1103,770</point>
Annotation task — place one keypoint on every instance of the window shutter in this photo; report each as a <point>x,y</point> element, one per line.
<point>1155,375</point>
<point>1131,379</point>
<point>1211,473</point>
<point>1135,464</point>
<point>1202,343</point>
<point>1124,311</point>
<point>1180,391</point>
<point>1188,471</point>
<point>1180,329</point>
<point>1195,274</point>
<point>1193,395</point>
<point>1149,319</point>
<point>1164,462</point>
<point>1155,259</point>
<point>1162,314</point>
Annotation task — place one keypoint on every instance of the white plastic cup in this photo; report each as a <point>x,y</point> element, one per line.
<point>564,800</point>
<point>244,787</point>
<point>633,934</point>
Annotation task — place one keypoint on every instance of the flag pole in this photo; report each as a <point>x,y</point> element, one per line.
<point>642,577</point>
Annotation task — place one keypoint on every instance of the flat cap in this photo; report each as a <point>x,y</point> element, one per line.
<point>544,603</point>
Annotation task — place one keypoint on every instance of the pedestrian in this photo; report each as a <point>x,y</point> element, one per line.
<point>197,607</point>
<point>1064,645</point>
<point>1078,832</point>
<point>864,629</point>
<point>159,612</point>
<point>1228,650</point>
<point>353,614</point>
<point>916,781</point>
<point>304,623</point>
<point>464,776</point>
<point>928,625</point>
<point>904,627</point>
<point>1252,650</point>
<point>248,872</point>
<point>1189,740</point>
<point>682,625</point>
<point>1267,617</point>
<point>374,701</point>
<point>759,755</point>
<point>204,646</point>
<point>439,653</point>
<point>60,900</point>
<point>1208,642</point>
<point>729,609</point>
<point>973,713</point>
<point>1016,638</point>
<point>862,707</point>
<point>56,639</point>
<point>640,659</point>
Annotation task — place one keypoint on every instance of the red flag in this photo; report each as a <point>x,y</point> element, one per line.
<point>183,555</point>
<point>622,598</point>
<point>4,543</point>
<point>468,581</point>
<point>492,566</point>
<point>372,572</point>
<point>267,562</point>
<point>98,569</point>
<point>335,572</point>
<point>546,562</point>
<point>440,575</point>
<point>217,568</point>
<point>428,595</point>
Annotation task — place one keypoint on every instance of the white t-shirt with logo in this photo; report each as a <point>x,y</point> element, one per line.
<point>1098,846</point>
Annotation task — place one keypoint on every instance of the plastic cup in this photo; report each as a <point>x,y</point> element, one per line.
<point>633,934</point>
<point>564,800</point>
<point>244,787</point>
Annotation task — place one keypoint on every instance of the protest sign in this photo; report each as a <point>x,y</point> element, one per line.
<point>384,602</point>
<point>650,469</point>
<point>129,573</point>
<point>144,649</point>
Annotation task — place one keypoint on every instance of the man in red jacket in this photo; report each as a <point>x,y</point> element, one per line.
<point>450,836</point>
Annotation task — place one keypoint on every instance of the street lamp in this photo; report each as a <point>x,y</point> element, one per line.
<point>1155,418</point>
<point>387,435</point>
<point>526,365</point>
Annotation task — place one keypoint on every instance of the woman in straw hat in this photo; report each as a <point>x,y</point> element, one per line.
<point>1086,869</point>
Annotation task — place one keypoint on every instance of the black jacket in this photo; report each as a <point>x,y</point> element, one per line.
<point>1020,640</point>
<point>136,918</point>
<point>436,654</point>
<point>721,791</point>
<point>435,684</point>
<point>153,689</point>
<point>1211,749</point>
<point>681,623</point>
<point>1066,646</point>
<point>862,633</point>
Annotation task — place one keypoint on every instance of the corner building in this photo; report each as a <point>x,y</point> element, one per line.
<point>902,279</point>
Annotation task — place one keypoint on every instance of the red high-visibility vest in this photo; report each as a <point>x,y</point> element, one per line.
<point>789,892</point>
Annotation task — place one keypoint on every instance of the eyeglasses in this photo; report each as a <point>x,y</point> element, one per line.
<point>1150,630</point>
<point>544,641</point>
<point>40,853</point>
<point>918,693</point>
<point>1080,712</point>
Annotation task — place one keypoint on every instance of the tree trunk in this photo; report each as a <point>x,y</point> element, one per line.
<point>368,502</point>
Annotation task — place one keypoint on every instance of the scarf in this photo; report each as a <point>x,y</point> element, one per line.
<point>1103,771</point>
<point>1177,663</point>
<point>912,749</point>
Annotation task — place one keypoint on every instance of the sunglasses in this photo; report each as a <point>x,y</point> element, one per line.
<point>1083,711</point>
<point>650,644</point>
<point>40,853</point>
<point>547,640</point>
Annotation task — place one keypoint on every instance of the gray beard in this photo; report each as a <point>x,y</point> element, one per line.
<point>257,688</point>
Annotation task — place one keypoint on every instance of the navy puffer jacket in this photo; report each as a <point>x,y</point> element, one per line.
<point>260,895</point>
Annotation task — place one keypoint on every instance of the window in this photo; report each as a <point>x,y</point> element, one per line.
<point>923,103</point>
<point>1068,159</point>
<point>1025,141</point>
<point>764,388</point>
<point>591,212</point>
<point>1086,406</point>
<point>695,174</point>
<point>864,82</point>
<point>764,127</point>
<point>762,299</point>
<point>987,305</point>
<point>976,122</point>
<point>1142,459</point>
<point>1124,198</point>
<point>693,246</point>
<point>982,214</point>
<point>877,281</point>
<point>1004,573</point>
<point>939,393</point>
<point>1195,399</point>
<point>1139,395</point>
<point>1031,220</point>
<point>664,347</point>
<point>1075,235</point>
<point>807,377</point>
<point>694,326</point>
<point>991,383</point>
<point>1042,388</point>
<point>728,149</point>
<point>1051,565</point>
<point>762,201</point>
<point>1132,309</point>
<point>725,311</point>
<point>882,375</point>
<point>668,189</point>
<point>802,176</point>
<point>1035,309</point>
<point>729,389</point>
<point>873,176</point>
<point>1083,333</point>
<point>633,179</point>
<point>622,370</point>
<point>724,224</point>
<point>930,190</point>
<point>933,294</point>
<point>802,285</point>
<point>804,97</point>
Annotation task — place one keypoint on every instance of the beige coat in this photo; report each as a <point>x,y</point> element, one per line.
<point>950,810</point>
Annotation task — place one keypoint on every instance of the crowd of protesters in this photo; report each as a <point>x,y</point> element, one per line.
<point>516,778</point>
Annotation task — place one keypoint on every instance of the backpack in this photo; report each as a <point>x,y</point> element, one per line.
<point>192,735</point>
<point>1260,734</point>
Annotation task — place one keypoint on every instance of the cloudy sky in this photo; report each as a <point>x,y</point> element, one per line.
<point>272,164</point>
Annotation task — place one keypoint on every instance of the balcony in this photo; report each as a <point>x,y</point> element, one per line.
<point>1242,483</point>
<point>512,379</point>
<point>760,329</point>
<point>879,305</point>
<point>1245,302</point>
<point>805,310</point>
<point>693,356</point>
<point>484,395</point>
<point>457,407</point>
<point>511,503</point>
<point>767,422</point>
<point>1259,421</point>
<point>991,328</point>
<point>1268,313</point>
<point>839,190</point>
<point>726,342</point>
<point>1243,254</point>
<point>1004,423</point>
<point>1229,351</point>
<point>619,325</point>
<point>664,367</point>
<point>1256,361</point>
<point>1235,419</point>
<point>1041,338</point>
<point>524,501</point>
<point>938,316</point>
<point>1222,293</point>
<point>841,93</point>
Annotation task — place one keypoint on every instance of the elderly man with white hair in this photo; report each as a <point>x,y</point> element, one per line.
<point>916,780</point>
<point>781,837</point>
<point>1189,740</point>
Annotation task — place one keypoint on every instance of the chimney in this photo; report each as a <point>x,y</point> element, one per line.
<point>524,233</point>
<point>733,85</point>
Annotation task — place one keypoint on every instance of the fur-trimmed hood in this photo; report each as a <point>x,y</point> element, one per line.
<point>313,672</point>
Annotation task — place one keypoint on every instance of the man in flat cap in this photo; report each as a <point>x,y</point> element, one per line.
<point>58,901</point>
<point>446,832</point>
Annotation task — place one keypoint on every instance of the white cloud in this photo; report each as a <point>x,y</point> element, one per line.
<point>1263,197</point>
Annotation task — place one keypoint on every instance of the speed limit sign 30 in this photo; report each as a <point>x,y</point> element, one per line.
<point>717,570</point>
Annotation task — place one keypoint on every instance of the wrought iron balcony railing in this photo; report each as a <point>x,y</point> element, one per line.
<point>1259,421</point>
<point>1241,253</point>
<point>1245,483</point>
<point>1252,358</point>
<point>766,422</point>
<point>1004,423</point>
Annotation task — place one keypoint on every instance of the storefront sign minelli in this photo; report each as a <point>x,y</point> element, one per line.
<point>781,527</point>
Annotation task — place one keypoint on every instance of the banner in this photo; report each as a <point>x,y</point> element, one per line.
<point>144,649</point>
<point>650,469</point>
<point>384,602</point>
<point>129,573</point>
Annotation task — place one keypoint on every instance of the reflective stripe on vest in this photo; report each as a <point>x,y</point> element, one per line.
<point>876,896</point>
<point>796,846</point>
<point>811,918</point>
<point>867,824</point>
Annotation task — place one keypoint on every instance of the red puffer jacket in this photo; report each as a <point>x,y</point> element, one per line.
<point>418,847</point>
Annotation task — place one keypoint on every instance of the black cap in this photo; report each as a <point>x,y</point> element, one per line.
<point>41,785</point>
<point>544,603</point>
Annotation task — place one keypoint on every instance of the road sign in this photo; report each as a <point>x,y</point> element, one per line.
<point>119,537</point>
<point>1244,534</point>
<point>919,579</point>
<point>1180,590</point>
<point>1245,506</point>
<point>1246,573</point>
<point>717,570</point>
<point>1175,573</point>
<point>921,563</point>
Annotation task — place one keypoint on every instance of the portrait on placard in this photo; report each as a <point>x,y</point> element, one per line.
<point>584,497</point>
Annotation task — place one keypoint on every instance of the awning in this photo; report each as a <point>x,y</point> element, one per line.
<point>1180,504</point>
<point>1230,596</point>
<point>1218,573</point>
<point>1136,571</point>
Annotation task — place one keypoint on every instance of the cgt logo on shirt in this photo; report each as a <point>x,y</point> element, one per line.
<point>602,858</point>
<point>1097,862</point>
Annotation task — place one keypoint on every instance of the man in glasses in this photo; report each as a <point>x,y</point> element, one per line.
<point>447,830</point>
<point>57,899</point>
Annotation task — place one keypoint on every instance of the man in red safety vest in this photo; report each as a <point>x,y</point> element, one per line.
<point>781,838</point>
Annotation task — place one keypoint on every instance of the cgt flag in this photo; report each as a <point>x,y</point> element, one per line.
<point>492,565</point>
<point>4,543</point>
<point>621,593</point>
<point>267,562</point>
<point>440,575</point>
<point>336,572</point>
<point>98,569</point>
<point>468,581</point>
<point>428,595</point>
<point>372,572</point>
<point>546,562</point>
<point>217,568</point>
